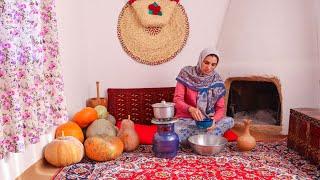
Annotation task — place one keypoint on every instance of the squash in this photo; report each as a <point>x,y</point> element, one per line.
<point>128,135</point>
<point>112,119</point>
<point>86,116</point>
<point>102,112</point>
<point>70,129</point>
<point>103,148</point>
<point>101,127</point>
<point>63,151</point>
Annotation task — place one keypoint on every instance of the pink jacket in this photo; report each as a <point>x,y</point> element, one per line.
<point>184,97</point>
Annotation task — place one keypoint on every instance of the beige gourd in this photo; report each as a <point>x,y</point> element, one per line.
<point>101,127</point>
<point>246,142</point>
<point>111,118</point>
<point>128,135</point>
<point>64,151</point>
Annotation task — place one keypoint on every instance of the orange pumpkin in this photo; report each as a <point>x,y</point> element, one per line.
<point>63,151</point>
<point>103,148</point>
<point>70,129</point>
<point>86,116</point>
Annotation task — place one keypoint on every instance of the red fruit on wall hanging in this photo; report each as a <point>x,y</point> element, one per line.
<point>154,9</point>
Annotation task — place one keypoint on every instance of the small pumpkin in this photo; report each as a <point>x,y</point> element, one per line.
<point>64,151</point>
<point>70,129</point>
<point>103,148</point>
<point>102,111</point>
<point>128,135</point>
<point>111,118</point>
<point>101,127</point>
<point>86,116</point>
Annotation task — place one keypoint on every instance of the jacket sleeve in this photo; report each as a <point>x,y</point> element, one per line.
<point>178,99</point>
<point>219,109</point>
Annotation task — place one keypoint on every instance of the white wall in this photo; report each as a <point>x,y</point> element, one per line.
<point>71,19</point>
<point>274,38</point>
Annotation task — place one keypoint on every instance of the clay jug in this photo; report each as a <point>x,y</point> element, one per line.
<point>246,142</point>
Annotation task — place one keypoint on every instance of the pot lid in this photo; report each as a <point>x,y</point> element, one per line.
<point>163,104</point>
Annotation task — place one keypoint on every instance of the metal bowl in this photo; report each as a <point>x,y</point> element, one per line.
<point>206,144</point>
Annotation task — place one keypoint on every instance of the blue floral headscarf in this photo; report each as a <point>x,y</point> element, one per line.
<point>210,87</point>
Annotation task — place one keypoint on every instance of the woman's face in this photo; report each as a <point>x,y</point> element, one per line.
<point>209,64</point>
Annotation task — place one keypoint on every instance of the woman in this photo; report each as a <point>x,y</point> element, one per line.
<point>200,93</point>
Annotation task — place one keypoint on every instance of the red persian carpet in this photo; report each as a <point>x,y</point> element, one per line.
<point>266,161</point>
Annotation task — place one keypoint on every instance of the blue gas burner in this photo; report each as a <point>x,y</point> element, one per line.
<point>165,141</point>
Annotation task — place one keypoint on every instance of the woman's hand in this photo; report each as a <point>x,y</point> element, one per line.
<point>196,113</point>
<point>212,127</point>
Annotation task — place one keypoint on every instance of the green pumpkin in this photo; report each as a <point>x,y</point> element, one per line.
<point>102,111</point>
<point>101,127</point>
<point>111,119</point>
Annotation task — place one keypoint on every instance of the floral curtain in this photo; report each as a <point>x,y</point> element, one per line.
<point>31,87</point>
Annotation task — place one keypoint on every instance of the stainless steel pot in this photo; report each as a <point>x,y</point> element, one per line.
<point>163,110</point>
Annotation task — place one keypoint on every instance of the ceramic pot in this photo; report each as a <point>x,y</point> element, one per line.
<point>246,142</point>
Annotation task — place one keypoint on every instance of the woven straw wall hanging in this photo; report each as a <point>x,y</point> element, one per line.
<point>153,31</point>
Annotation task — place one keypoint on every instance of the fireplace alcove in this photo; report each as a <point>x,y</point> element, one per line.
<point>255,98</point>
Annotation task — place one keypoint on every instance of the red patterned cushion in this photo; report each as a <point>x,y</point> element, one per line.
<point>230,135</point>
<point>137,102</point>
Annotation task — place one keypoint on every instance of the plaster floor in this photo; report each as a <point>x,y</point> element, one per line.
<point>42,170</point>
